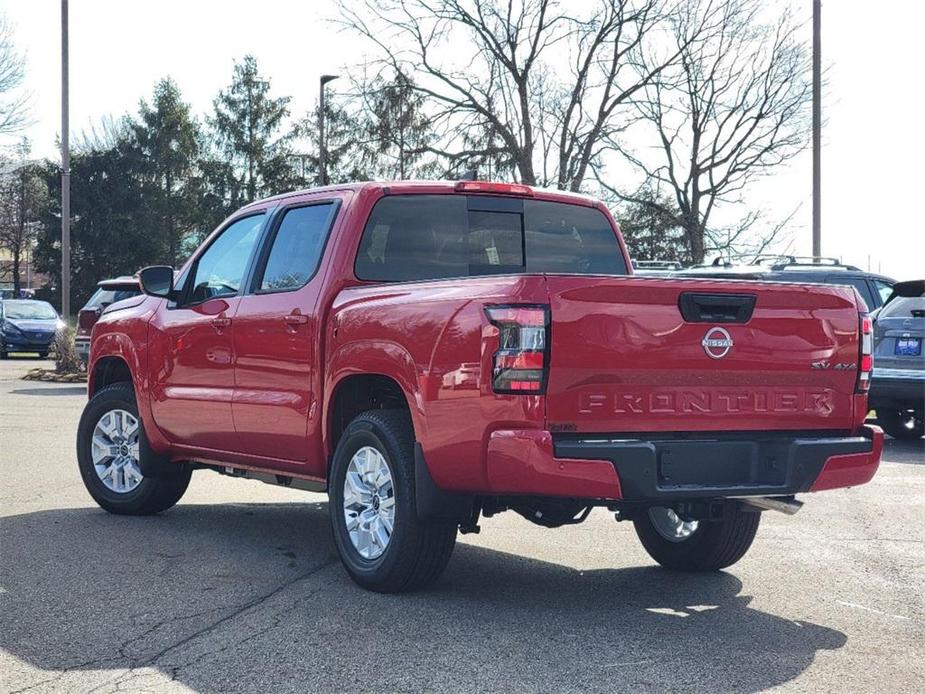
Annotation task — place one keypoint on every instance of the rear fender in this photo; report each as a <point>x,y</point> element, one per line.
<point>378,358</point>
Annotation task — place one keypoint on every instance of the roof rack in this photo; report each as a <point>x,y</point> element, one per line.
<point>786,261</point>
<point>657,264</point>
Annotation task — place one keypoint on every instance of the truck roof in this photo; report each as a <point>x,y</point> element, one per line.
<point>446,187</point>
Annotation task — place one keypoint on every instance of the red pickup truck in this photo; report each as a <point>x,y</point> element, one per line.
<point>430,353</point>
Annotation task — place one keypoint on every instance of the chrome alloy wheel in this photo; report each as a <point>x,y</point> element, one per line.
<point>114,449</point>
<point>369,502</point>
<point>670,525</point>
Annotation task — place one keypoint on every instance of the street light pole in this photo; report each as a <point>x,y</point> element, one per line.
<point>817,128</point>
<point>322,152</point>
<point>65,175</point>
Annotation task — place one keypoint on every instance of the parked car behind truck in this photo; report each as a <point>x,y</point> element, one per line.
<point>431,353</point>
<point>897,390</point>
<point>28,325</point>
<point>873,288</point>
<point>107,292</point>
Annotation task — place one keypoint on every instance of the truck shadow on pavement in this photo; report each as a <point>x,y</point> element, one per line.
<point>911,452</point>
<point>59,390</point>
<point>247,597</point>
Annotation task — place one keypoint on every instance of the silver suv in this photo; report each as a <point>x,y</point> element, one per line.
<point>897,391</point>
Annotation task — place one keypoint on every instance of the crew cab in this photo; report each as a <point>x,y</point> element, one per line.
<point>429,353</point>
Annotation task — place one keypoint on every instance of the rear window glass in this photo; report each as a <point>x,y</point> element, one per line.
<point>420,237</point>
<point>904,307</point>
<point>103,296</point>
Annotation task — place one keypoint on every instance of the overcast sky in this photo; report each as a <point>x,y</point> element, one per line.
<point>873,143</point>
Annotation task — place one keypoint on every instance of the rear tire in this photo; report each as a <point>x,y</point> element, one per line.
<point>905,425</point>
<point>377,451</point>
<point>124,489</point>
<point>711,546</point>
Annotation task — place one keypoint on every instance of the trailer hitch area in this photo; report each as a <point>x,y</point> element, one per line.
<point>784,504</point>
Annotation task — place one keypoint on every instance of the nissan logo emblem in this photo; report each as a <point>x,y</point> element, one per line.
<point>717,343</point>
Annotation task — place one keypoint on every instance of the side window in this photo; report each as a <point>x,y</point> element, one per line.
<point>219,271</point>
<point>415,237</point>
<point>296,247</point>
<point>884,289</point>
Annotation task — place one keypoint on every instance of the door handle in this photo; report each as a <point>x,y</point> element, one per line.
<point>294,319</point>
<point>221,322</point>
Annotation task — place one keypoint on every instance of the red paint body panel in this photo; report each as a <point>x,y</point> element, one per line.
<point>256,391</point>
<point>522,462</point>
<point>851,470</point>
<point>624,359</point>
<point>434,340</point>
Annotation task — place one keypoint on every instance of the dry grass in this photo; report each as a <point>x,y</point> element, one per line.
<point>66,359</point>
<point>68,367</point>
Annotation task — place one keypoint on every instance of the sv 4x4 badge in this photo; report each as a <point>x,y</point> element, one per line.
<point>841,366</point>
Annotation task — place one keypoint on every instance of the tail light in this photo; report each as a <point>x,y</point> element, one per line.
<point>867,354</point>
<point>496,188</point>
<point>521,363</point>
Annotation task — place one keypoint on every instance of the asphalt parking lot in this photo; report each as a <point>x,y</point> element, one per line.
<point>238,589</point>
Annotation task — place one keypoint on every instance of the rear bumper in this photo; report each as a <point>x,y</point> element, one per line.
<point>900,388</point>
<point>82,347</point>
<point>703,467</point>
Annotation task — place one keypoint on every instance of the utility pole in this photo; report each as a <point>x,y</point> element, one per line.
<point>322,152</point>
<point>65,175</point>
<point>817,128</point>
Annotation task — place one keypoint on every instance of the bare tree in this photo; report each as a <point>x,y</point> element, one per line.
<point>14,101</point>
<point>734,106</point>
<point>22,193</point>
<point>528,79</point>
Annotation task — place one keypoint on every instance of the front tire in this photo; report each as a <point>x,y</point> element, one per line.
<point>705,545</point>
<point>381,542</point>
<point>112,450</point>
<point>905,425</point>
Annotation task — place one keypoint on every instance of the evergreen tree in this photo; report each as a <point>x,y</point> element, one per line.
<point>350,153</point>
<point>398,128</point>
<point>246,129</point>
<point>167,142</point>
<point>112,222</point>
<point>651,231</point>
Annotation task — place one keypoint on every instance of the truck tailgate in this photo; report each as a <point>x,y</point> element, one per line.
<point>623,358</point>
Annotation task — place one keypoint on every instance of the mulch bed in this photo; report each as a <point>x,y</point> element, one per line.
<point>52,376</point>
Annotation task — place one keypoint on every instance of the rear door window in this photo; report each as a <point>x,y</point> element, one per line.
<point>421,237</point>
<point>296,247</point>
<point>904,307</point>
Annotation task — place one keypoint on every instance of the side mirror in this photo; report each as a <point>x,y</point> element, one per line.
<point>157,280</point>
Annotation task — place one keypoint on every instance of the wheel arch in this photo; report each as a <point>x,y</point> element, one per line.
<point>114,359</point>
<point>354,393</point>
<point>117,359</point>
<point>106,371</point>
